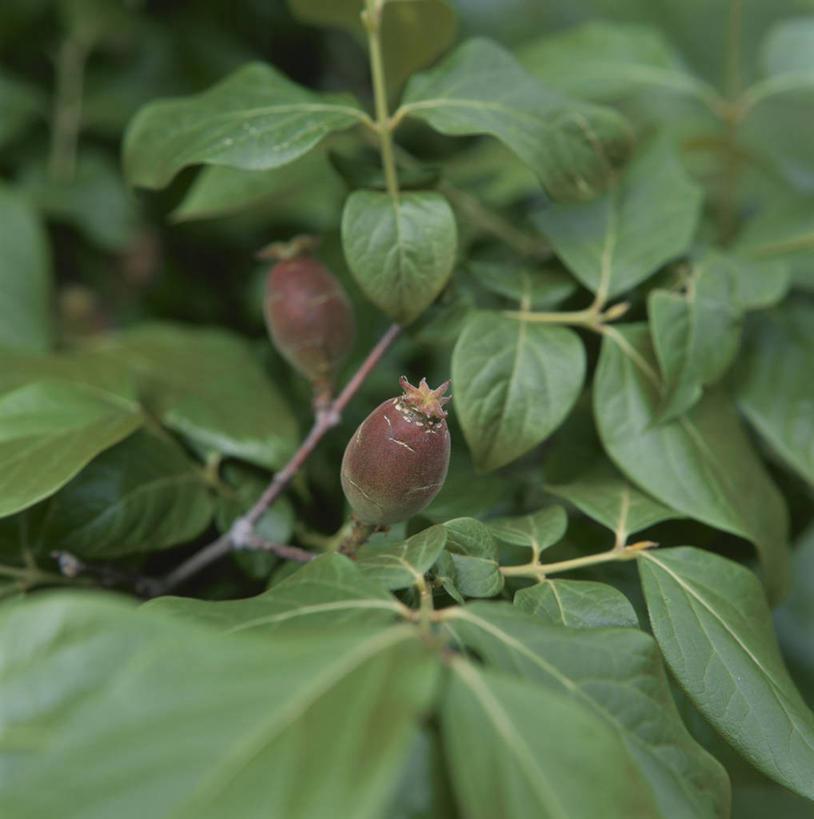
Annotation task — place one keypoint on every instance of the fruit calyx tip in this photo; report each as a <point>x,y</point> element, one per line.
<point>424,399</point>
<point>296,247</point>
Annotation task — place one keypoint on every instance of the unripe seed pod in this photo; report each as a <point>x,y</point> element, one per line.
<point>397,459</point>
<point>309,317</point>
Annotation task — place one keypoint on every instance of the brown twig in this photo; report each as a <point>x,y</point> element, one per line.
<point>283,550</point>
<point>241,533</point>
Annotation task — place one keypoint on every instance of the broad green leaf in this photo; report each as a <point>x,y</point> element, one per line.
<point>21,103</point>
<point>783,230</point>
<point>424,791</point>
<point>712,623</point>
<point>207,385</point>
<point>787,62</point>
<point>515,382</point>
<point>647,218</point>
<point>577,603</point>
<point>330,590</point>
<point>291,726</point>
<point>794,619</point>
<point>142,495</point>
<point>604,495</point>
<point>87,368</point>
<point>604,60</point>
<point>305,190</point>
<point>513,750</point>
<point>413,32</point>
<point>774,389</point>
<point>254,119</point>
<point>618,674</point>
<point>401,565</point>
<point>696,333</point>
<point>532,289</point>
<point>701,464</point>
<point>49,431</point>
<point>95,200</point>
<point>25,276</point>
<point>480,88</point>
<point>472,551</point>
<point>538,530</point>
<point>400,251</point>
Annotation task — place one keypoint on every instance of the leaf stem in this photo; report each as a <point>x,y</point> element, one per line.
<point>592,317</point>
<point>29,577</point>
<point>67,112</point>
<point>371,19</point>
<point>539,571</point>
<point>242,530</point>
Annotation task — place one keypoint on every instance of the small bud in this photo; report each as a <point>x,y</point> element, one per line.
<point>309,317</point>
<point>397,459</point>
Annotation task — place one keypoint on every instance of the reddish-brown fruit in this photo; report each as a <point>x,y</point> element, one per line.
<point>309,317</point>
<point>397,459</point>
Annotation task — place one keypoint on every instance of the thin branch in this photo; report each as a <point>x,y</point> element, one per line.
<point>241,532</point>
<point>283,550</point>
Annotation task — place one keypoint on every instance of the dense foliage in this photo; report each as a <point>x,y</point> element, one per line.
<point>596,219</point>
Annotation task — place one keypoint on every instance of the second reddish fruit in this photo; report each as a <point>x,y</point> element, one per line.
<point>309,318</point>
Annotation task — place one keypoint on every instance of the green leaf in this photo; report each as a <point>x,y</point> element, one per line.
<point>696,333</point>
<point>577,604</point>
<point>401,565</point>
<point>773,388</point>
<point>787,62</point>
<point>472,551</point>
<point>25,276</point>
<point>782,230</point>
<point>292,726</point>
<point>306,190</point>
<point>330,590</point>
<point>605,60</point>
<point>49,432</point>
<point>86,368</point>
<point>532,288</point>
<point>480,88</point>
<point>400,251</point>
<point>645,220</point>
<point>538,530</point>
<point>413,32</point>
<point>206,384</point>
<point>794,619</point>
<point>701,464</point>
<point>253,119</point>
<point>95,200</point>
<point>604,495</point>
<point>618,675</point>
<point>513,749</point>
<point>142,495</point>
<point>711,620</point>
<point>514,382</point>
<point>21,103</point>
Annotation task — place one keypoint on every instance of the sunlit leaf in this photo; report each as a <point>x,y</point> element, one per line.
<point>713,624</point>
<point>514,383</point>
<point>254,119</point>
<point>645,220</point>
<point>701,464</point>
